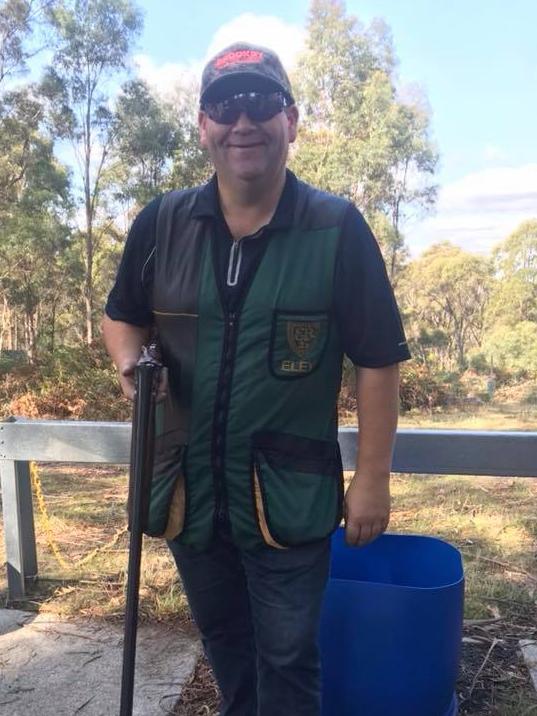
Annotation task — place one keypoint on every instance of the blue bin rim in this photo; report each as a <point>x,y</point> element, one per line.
<point>385,585</point>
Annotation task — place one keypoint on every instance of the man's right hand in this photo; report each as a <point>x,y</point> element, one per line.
<point>124,343</point>
<point>126,380</point>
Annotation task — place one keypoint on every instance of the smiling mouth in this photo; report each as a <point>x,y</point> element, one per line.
<point>246,146</point>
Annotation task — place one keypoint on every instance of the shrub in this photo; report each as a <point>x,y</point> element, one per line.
<point>514,348</point>
<point>421,389</point>
<point>74,382</point>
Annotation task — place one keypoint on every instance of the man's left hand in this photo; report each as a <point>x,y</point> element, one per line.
<point>367,509</point>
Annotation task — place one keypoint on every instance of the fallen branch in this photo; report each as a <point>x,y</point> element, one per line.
<point>489,652</point>
<point>511,567</point>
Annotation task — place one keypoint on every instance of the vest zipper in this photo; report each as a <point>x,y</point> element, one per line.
<point>222,408</point>
<point>232,320</point>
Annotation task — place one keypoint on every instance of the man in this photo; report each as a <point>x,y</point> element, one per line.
<point>257,284</point>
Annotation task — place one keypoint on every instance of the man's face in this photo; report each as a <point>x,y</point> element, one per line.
<point>247,150</point>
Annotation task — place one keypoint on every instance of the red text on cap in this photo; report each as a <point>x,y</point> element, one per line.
<point>232,58</point>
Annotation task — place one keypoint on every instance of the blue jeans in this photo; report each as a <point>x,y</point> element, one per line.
<point>258,614</point>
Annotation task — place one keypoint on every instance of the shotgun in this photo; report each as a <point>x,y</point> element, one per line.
<point>146,377</point>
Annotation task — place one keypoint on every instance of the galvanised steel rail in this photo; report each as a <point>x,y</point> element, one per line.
<point>445,452</point>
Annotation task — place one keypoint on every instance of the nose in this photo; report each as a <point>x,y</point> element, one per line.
<point>243,122</point>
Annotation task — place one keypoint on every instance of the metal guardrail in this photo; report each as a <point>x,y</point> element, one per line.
<point>446,452</point>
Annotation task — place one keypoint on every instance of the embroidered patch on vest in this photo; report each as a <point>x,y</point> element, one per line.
<point>302,336</point>
<point>297,343</point>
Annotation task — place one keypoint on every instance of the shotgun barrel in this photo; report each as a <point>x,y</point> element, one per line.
<point>142,453</point>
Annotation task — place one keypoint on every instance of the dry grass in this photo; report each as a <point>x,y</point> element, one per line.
<point>86,506</point>
<point>200,696</point>
<point>492,521</point>
<point>505,417</point>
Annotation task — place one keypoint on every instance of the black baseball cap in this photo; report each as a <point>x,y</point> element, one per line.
<point>242,67</point>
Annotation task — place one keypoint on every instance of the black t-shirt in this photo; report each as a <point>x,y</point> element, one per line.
<point>364,305</point>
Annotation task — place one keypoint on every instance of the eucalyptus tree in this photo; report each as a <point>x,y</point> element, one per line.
<point>92,40</point>
<point>191,164</point>
<point>146,138</point>
<point>359,138</point>
<point>445,293</point>
<point>18,19</point>
<point>21,112</point>
<point>34,233</point>
<point>515,261</point>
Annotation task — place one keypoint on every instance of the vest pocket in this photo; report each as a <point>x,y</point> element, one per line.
<point>297,342</point>
<point>297,487</point>
<point>167,501</point>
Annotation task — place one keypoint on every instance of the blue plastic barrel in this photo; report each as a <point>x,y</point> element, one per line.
<point>391,627</point>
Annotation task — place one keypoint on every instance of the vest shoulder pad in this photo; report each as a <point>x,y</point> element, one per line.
<point>316,209</point>
<point>181,200</point>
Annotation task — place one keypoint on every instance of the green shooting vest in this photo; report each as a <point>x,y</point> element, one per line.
<point>250,422</point>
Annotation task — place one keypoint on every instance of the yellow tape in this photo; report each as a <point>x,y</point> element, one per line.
<point>49,532</point>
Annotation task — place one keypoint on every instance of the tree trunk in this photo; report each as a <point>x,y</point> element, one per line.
<point>461,355</point>
<point>392,262</point>
<point>88,289</point>
<point>88,279</point>
<point>52,327</point>
<point>30,336</point>
<point>4,321</point>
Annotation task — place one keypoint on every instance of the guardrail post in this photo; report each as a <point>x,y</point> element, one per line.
<point>19,532</point>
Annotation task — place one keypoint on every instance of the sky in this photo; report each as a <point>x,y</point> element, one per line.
<point>475,60</point>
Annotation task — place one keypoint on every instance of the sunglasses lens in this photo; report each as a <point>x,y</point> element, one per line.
<point>224,112</point>
<point>266,107</point>
<point>257,107</point>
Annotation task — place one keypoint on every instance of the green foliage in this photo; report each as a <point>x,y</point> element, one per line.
<point>358,138</point>
<point>145,140</point>
<point>478,362</point>
<point>445,293</point>
<point>515,260</point>
<point>191,163</point>
<point>18,18</point>
<point>11,359</point>
<point>392,245</point>
<point>420,388</point>
<point>34,237</point>
<point>513,348</point>
<point>157,146</point>
<point>24,148</point>
<point>73,382</point>
<point>91,40</point>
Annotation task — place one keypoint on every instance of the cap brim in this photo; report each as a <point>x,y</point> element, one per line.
<point>234,83</point>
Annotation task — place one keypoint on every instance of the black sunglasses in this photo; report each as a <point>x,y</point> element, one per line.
<point>256,106</point>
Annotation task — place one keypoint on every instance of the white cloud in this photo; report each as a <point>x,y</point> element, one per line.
<point>493,153</point>
<point>165,79</point>
<point>479,210</point>
<point>285,39</point>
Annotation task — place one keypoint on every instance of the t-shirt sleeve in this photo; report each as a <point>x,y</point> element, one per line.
<point>130,300</point>
<point>365,307</point>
